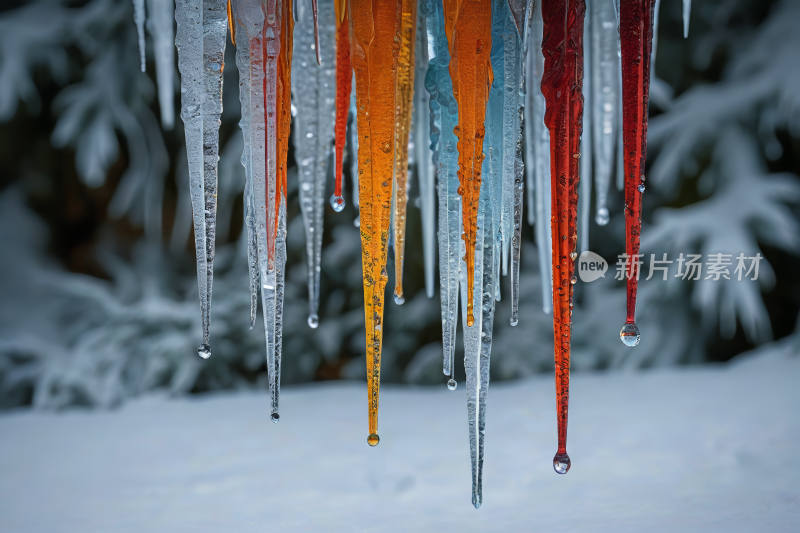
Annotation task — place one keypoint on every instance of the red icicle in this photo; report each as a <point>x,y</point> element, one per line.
<point>344,80</point>
<point>636,34</point>
<point>562,87</point>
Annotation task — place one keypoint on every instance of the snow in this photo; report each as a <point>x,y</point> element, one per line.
<point>701,449</point>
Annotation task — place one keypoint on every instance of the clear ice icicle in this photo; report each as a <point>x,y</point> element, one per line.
<point>443,142</point>
<point>139,20</point>
<point>202,32</point>
<point>585,155</point>
<point>562,89</point>
<point>605,101</point>
<point>375,45</point>
<point>687,12</point>
<point>521,11</point>
<point>352,140</point>
<point>424,161</point>
<point>403,99</point>
<point>511,99</point>
<point>538,139</point>
<point>161,17</point>
<point>496,132</point>
<point>245,89</point>
<point>314,89</point>
<point>478,337</point>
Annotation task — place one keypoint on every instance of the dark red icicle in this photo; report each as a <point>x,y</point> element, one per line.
<point>562,86</point>
<point>344,79</point>
<point>636,34</point>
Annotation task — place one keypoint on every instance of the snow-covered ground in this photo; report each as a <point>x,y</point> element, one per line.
<point>711,449</point>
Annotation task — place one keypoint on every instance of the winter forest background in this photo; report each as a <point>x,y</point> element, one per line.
<point>99,295</point>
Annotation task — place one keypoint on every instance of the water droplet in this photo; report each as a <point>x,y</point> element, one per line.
<point>204,351</point>
<point>573,255</point>
<point>275,417</point>
<point>602,216</point>
<point>337,203</point>
<point>641,188</point>
<point>514,321</point>
<point>398,299</point>
<point>561,463</point>
<point>573,280</point>
<point>629,334</point>
<point>470,320</point>
<point>357,221</point>
<point>452,384</point>
<point>576,155</point>
<point>373,439</point>
<point>313,321</point>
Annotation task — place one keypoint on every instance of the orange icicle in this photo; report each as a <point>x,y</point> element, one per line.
<point>344,80</point>
<point>231,25</point>
<point>468,24</point>
<point>404,97</point>
<point>375,42</point>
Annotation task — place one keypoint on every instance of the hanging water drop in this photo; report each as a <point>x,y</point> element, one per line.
<point>561,463</point>
<point>641,188</point>
<point>629,334</point>
<point>337,203</point>
<point>573,255</point>
<point>399,299</point>
<point>275,417</point>
<point>204,351</point>
<point>313,321</point>
<point>573,280</point>
<point>452,384</point>
<point>373,439</point>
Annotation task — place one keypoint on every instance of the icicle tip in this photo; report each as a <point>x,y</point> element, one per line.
<point>204,351</point>
<point>313,321</point>
<point>275,417</point>
<point>561,463</point>
<point>629,334</point>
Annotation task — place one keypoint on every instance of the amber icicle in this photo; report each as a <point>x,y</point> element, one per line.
<point>562,85</point>
<point>636,40</point>
<point>403,102</point>
<point>344,80</point>
<point>468,25</point>
<point>375,43</point>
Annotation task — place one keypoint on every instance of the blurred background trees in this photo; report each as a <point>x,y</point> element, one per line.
<point>99,296</point>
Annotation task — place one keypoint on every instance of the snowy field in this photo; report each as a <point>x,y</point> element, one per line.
<point>712,449</point>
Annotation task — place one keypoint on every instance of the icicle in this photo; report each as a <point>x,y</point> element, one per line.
<point>538,139</point>
<point>315,9</point>
<point>353,142</point>
<point>444,119</point>
<point>344,78</point>
<point>243,65</point>
<point>139,19</point>
<point>636,30</point>
<point>496,133</point>
<point>522,12</point>
<point>424,161</point>
<point>375,44</point>
<point>605,104</point>
<point>161,17</point>
<point>687,11</point>
<point>314,88</point>
<point>510,86</point>
<point>478,338</point>
<point>585,184</point>
<point>268,119</point>
<point>202,30</point>
<point>403,98</point>
<point>561,86</point>
<point>468,27</point>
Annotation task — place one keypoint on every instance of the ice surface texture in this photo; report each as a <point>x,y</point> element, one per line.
<point>202,31</point>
